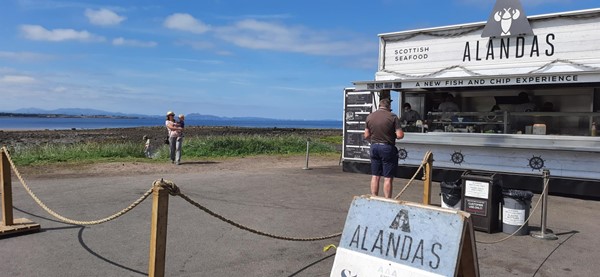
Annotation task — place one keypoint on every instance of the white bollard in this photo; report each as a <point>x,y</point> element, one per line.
<point>307,153</point>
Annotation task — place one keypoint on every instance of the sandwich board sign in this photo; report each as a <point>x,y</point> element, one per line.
<point>389,238</point>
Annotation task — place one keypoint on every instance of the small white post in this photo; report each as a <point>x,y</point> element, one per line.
<point>307,153</point>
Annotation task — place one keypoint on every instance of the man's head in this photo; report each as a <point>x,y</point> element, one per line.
<point>523,97</point>
<point>406,107</point>
<point>385,103</point>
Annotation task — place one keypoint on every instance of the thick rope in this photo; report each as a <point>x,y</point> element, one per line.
<point>527,220</point>
<point>261,233</point>
<point>425,159</point>
<point>62,218</point>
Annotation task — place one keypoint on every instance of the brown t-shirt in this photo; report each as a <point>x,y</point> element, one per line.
<point>383,125</point>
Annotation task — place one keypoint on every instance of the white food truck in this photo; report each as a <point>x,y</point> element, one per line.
<point>527,91</point>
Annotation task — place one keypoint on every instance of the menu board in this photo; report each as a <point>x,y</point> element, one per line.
<point>356,117</point>
<point>357,98</point>
<point>358,106</point>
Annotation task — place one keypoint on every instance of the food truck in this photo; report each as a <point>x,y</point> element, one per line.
<point>527,90</point>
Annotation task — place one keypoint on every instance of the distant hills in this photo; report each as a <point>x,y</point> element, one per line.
<point>73,112</point>
<point>76,112</point>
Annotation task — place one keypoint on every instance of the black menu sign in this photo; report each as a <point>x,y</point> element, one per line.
<point>358,106</point>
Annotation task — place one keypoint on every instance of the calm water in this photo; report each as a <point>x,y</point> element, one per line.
<point>27,123</point>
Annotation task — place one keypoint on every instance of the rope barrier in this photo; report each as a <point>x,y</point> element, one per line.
<point>172,187</point>
<point>175,191</point>
<point>525,222</point>
<point>257,232</point>
<point>425,158</point>
<point>65,219</point>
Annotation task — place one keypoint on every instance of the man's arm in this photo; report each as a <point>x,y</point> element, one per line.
<point>367,134</point>
<point>399,134</point>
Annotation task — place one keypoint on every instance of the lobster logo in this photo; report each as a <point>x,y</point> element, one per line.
<point>348,273</point>
<point>506,19</point>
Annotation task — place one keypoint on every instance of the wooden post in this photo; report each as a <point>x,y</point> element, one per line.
<point>7,205</point>
<point>9,225</point>
<point>158,234</point>
<point>427,180</point>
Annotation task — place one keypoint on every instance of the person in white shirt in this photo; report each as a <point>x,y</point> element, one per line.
<point>448,105</point>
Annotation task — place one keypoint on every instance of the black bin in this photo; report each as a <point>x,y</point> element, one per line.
<point>481,197</point>
<point>451,194</point>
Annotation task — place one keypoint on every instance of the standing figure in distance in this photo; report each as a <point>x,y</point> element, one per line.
<point>180,124</point>
<point>174,138</point>
<point>383,128</point>
<point>147,150</point>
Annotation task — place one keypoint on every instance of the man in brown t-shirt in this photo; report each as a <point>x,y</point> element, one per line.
<point>383,128</point>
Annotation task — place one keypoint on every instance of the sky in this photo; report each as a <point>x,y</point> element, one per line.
<point>286,59</point>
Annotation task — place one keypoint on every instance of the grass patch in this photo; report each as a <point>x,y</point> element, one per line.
<point>239,146</point>
<point>80,152</point>
<point>199,147</point>
<point>332,139</point>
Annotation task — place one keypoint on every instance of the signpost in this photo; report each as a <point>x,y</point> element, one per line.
<point>384,237</point>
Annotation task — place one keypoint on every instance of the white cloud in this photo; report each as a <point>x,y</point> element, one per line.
<point>223,53</point>
<point>198,45</point>
<point>16,79</point>
<point>256,34</point>
<point>103,17</point>
<point>185,22</point>
<point>60,89</point>
<point>37,32</point>
<point>133,43</point>
<point>25,56</point>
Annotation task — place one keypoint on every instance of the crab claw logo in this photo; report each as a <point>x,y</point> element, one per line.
<point>507,19</point>
<point>347,273</point>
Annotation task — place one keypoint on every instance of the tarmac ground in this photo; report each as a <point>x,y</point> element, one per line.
<point>281,199</point>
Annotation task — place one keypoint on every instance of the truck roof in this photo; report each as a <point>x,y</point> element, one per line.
<point>579,13</point>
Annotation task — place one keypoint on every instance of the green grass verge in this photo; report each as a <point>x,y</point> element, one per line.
<point>239,146</point>
<point>226,146</point>
<point>81,152</point>
<point>332,139</point>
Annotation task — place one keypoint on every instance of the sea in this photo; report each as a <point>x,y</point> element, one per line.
<point>39,123</point>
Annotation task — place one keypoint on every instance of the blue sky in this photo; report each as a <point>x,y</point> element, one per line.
<point>268,58</point>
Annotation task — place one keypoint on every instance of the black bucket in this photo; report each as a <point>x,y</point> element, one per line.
<point>451,194</point>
